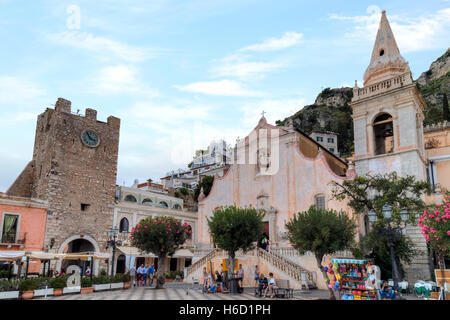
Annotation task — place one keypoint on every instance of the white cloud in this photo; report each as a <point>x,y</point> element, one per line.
<point>426,32</point>
<point>120,79</point>
<point>218,88</point>
<point>102,46</point>
<point>240,66</point>
<point>289,39</point>
<point>16,90</point>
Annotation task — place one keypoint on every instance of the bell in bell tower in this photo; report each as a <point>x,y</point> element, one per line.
<point>388,113</point>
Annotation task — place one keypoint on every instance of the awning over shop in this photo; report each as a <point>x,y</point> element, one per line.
<point>352,261</point>
<point>183,253</point>
<point>11,255</point>
<point>132,251</point>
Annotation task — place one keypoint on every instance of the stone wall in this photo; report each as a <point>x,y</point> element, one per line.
<point>69,173</point>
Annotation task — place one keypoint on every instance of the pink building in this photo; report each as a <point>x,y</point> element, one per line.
<point>22,227</point>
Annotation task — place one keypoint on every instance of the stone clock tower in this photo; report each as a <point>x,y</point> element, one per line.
<point>74,168</point>
<point>388,125</point>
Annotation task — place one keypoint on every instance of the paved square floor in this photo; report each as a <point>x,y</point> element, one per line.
<point>178,291</point>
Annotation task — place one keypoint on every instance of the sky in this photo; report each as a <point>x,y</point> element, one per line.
<point>182,73</point>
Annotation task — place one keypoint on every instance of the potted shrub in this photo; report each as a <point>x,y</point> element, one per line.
<point>58,284</point>
<point>27,287</point>
<point>126,281</point>
<point>86,285</point>
<point>102,282</point>
<point>43,288</point>
<point>9,289</point>
<point>117,281</point>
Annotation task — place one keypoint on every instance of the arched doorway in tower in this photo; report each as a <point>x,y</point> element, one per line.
<point>77,246</point>
<point>120,268</point>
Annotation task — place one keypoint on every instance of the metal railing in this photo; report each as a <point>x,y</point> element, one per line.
<point>290,268</point>
<point>13,238</point>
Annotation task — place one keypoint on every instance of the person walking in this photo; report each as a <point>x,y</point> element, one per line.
<point>87,272</point>
<point>219,281</point>
<point>205,277</point>
<point>144,274</point>
<point>139,275</point>
<point>256,276</point>
<point>151,272</point>
<point>133,275</point>
<point>241,276</point>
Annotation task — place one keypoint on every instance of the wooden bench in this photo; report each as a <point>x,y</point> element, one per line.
<point>282,289</point>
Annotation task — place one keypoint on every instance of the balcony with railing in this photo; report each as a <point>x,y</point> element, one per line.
<point>382,86</point>
<point>13,238</point>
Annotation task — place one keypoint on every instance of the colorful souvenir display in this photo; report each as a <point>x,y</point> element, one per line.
<point>350,276</point>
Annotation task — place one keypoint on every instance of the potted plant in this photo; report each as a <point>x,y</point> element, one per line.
<point>27,287</point>
<point>126,281</point>
<point>58,284</point>
<point>9,289</point>
<point>86,285</point>
<point>102,282</point>
<point>117,281</point>
<point>43,288</point>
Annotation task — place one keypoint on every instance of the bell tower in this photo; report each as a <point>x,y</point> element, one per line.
<point>388,127</point>
<point>388,113</point>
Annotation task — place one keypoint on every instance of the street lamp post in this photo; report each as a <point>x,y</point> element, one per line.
<point>112,241</point>
<point>387,214</point>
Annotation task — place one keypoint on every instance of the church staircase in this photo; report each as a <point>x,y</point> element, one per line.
<point>285,266</point>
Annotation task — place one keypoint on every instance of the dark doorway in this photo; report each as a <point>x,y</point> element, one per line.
<point>75,246</point>
<point>139,262</point>
<point>173,264</point>
<point>266,228</point>
<point>187,262</point>
<point>121,264</point>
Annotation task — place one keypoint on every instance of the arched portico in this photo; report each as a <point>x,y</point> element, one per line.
<point>69,240</point>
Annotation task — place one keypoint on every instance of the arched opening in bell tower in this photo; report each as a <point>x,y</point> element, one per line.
<point>383,130</point>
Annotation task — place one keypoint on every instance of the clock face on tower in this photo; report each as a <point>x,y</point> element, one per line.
<point>90,138</point>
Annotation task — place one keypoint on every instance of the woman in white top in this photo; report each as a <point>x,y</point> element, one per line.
<point>270,286</point>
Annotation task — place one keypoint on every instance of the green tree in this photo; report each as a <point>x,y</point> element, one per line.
<point>322,232</point>
<point>376,246</point>
<point>445,109</point>
<point>234,229</point>
<point>373,192</point>
<point>206,183</point>
<point>161,236</point>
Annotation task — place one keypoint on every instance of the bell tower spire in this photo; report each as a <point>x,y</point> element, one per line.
<point>386,61</point>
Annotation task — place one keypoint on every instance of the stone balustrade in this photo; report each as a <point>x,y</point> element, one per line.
<point>382,86</point>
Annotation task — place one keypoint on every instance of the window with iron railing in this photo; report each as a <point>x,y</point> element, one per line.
<point>13,238</point>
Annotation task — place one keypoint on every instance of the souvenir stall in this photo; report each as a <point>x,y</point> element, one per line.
<point>354,279</point>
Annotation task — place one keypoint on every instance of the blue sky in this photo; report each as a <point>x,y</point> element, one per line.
<point>182,73</point>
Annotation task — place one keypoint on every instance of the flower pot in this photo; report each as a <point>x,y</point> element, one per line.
<point>101,287</point>
<point>87,290</point>
<point>75,289</point>
<point>57,292</point>
<point>43,292</point>
<point>169,280</point>
<point>118,285</point>
<point>9,295</point>
<point>28,295</point>
<point>126,285</point>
